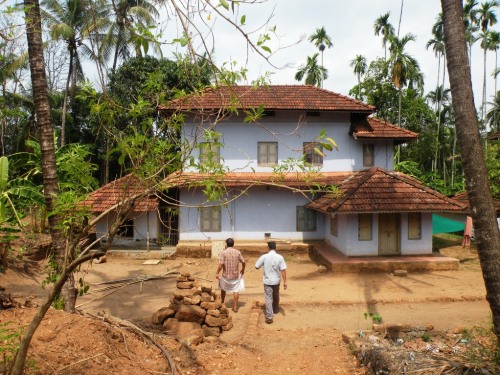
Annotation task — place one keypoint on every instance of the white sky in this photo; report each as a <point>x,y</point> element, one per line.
<point>350,26</point>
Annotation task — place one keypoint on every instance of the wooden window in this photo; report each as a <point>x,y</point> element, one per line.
<point>306,219</point>
<point>368,155</point>
<point>414,226</point>
<point>334,225</point>
<point>267,153</point>
<point>210,219</point>
<point>209,153</point>
<point>365,227</point>
<point>313,153</point>
<point>126,229</point>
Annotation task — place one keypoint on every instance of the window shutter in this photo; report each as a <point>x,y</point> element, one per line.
<point>273,153</point>
<point>364,227</point>
<point>414,226</point>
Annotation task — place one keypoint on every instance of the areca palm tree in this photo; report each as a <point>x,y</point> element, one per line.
<point>314,73</point>
<point>404,68</point>
<point>437,44</point>
<point>321,40</point>
<point>124,34</point>
<point>486,18</point>
<point>494,45</point>
<point>383,26</point>
<point>359,65</point>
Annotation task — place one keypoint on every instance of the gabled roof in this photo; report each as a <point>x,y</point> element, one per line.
<point>274,97</point>
<point>246,179</point>
<point>117,191</point>
<point>373,128</point>
<point>377,190</point>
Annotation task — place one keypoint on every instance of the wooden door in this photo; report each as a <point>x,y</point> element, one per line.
<point>388,234</point>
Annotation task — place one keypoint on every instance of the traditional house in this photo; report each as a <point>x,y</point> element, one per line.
<point>276,173</point>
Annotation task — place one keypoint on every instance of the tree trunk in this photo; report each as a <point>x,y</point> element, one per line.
<point>45,131</point>
<point>467,127</point>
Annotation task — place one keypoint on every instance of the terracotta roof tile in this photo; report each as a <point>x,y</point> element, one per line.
<point>117,191</point>
<point>464,199</point>
<point>275,97</point>
<point>377,190</point>
<point>374,128</point>
<point>246,179</point>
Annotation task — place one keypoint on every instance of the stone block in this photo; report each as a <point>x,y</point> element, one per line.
<point>211,331</point>
<point>227,327</point>
<point>215,313</point>
<point>400,273</point>
<point>206,288</point>
<point>185,284</point>
<point>212,321</point>
<point>179,294</point>
<point>195,300</point>
<point>190,313</point>
<point>211,305</point>
<point>206,297</point>
<point>162,314</point>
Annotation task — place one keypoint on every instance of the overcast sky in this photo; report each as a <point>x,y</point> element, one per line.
<point>350,24</point>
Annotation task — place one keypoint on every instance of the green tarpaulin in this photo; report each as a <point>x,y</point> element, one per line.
<point>441,224</point>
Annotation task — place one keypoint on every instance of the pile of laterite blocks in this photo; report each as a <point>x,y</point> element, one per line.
<point>195,311</point>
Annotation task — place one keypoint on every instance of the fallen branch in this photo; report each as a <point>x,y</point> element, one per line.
<point>140,332</point>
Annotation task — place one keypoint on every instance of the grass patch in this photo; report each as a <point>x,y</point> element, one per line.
<point>442,240</point>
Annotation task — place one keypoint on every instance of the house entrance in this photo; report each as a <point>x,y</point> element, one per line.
<point>388,234</point>
<point>169,220</point>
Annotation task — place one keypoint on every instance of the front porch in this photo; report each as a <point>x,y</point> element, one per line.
<point>335,261</point>
<point>319,252</point>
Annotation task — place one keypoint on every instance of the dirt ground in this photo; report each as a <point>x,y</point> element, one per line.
<point>306,336</point>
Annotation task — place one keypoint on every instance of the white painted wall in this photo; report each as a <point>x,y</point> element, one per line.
<point>347,240</point>
<point>290,129</point>
<point>250,216</point>
<point>142,221</point>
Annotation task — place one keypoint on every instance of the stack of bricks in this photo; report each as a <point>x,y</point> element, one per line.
<point>194,309</point>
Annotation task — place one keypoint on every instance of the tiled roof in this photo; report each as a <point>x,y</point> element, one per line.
<point>464,199</point>
<point>493,136</point>
<point>377,190</point>
<point>246,179</point>
<point>374,128</point>
<point>117,191</point>
<point>275,97</point>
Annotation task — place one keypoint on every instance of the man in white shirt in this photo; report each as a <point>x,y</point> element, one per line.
<point>274,270</point>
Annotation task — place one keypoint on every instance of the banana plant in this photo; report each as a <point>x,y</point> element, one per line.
<point>15,194</point>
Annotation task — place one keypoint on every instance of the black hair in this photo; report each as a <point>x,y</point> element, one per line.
<point>230,242</point>
<point>272,245</point>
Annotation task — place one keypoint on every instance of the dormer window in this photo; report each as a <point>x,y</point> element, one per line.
<point>209,153</point>
<point>313,153</point>
<point>368,155</point>
<point>267,154</point>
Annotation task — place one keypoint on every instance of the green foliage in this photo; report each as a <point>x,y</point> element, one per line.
<point>9,343</point>
<point>376,318</point>
<point>53,270</point>
<point>83,287</point>
<point>481,347</point>
<point>426,337</point>
<point>493,167</point>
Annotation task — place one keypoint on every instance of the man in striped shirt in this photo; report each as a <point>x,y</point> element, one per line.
<point>232,277</point>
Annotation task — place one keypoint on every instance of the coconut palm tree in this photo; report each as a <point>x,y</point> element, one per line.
<point>314,73</point>
<point>359,65</point>
<point>321,40</point>
<point>493,115</point>
<point>404,68</point>
<point>68,21</point>
<point>383,27</point>
<point>473,161</point>
<point>124,33</point>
